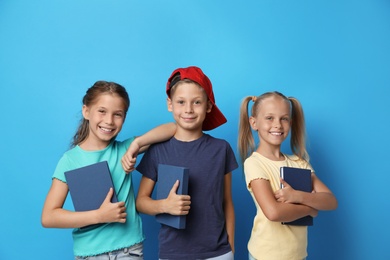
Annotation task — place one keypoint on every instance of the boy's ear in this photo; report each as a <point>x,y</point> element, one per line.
<point>209,106</point>
<point>85,111</point>
<point>169,104</point>
<point>252,122</point>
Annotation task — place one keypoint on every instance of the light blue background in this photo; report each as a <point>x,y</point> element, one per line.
<point>332,55</point>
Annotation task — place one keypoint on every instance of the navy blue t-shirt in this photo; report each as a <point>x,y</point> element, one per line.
<point>208,160</point>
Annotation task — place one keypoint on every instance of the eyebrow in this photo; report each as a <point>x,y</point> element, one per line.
<point>119,110</point>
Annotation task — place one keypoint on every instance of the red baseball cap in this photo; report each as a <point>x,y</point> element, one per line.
<point>215,117</point>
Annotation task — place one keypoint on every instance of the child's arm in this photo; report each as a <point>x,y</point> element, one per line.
<point>174,204</point>
<point>274,210</point>
<point>141,143</point>
<point>54,216</point>
<point>321,198</point>
<point>229,209</point>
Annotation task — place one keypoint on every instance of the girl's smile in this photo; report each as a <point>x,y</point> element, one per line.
<point>106,130</point>
<point>272,121</point>
<point>106,117</point>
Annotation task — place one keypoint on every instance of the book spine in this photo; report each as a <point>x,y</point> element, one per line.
<point>282,176</point>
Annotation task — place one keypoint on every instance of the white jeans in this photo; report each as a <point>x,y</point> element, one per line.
<point>134,252</point>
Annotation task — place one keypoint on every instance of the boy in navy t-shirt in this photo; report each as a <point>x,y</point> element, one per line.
<point>209,232</point>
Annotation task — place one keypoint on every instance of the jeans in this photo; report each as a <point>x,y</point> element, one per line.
<point>134,252</point>
<point>227,256</point>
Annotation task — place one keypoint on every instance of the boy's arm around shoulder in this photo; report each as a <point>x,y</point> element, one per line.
<point>174,204</point>
<point>141,143</point>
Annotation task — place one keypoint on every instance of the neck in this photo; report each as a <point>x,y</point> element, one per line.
<point>187,136</point>
<point>93,146</point>
<point>272,153</point>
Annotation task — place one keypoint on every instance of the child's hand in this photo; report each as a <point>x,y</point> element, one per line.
<point>314,213</point>
<point>287,194</point>
<point>112,212</point>
<point>177,204</point>
<point>130,157</point>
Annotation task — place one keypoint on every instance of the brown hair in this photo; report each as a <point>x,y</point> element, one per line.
<point>176,83</point>
<point>246,143</point>
<point>90,97</point>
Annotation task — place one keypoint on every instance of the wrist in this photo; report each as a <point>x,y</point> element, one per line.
<point>137,141</point>
<point>96,218</point>
<point>300,197</point>
<point>163,206</point>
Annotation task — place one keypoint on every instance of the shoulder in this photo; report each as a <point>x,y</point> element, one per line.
<point>298,162</point>
<point>257,167</point>
<point>125,143</point>
<point>255,159</point>
<point>66,163</point>
<point>161,145</point>
<point>158,148</point>
<point>71,155</point>
<point>216,141</point>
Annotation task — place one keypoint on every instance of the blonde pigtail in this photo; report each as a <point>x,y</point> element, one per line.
<point>298,130</point>
<point>246,142</point>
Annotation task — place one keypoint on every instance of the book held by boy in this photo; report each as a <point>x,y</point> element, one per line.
<point>298,179</point>
<point>89,185</point>
<point>167,176</point>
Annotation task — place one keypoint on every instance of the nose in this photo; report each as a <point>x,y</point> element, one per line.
<point>109,120</point>
<point>277,124</point>
<point>189,108</point>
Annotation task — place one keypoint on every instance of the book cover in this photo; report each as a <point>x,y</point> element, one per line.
<point>89,185</point>
<point>167,176</point>
<point>298,179</point>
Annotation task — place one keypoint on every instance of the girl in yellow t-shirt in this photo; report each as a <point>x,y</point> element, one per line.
<point>272,116</point>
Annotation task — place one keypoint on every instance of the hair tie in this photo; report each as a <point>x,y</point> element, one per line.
<point>254,98</point>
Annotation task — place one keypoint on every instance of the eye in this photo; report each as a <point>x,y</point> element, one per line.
<point>118,114</point>
<point>268,118</point>
<point>102,111</point>
<point>181,102</point>
<point>197,102</point>
<point>286,119</point>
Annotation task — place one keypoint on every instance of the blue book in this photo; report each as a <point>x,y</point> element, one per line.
<point>167,176</point>
<point>298,179</point>
<point>89,185</point>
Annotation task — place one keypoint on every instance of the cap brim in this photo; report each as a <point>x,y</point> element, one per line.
<point>213,119</point>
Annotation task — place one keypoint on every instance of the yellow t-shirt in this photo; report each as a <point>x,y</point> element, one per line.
<point>272,240</point>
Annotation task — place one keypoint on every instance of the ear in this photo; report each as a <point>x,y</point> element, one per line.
<point>169,104</point>
<point>85,111</point>
<point>252,122</point>
<point>209,106</point>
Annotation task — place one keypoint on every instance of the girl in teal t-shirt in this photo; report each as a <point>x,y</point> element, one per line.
<point>104,109</point>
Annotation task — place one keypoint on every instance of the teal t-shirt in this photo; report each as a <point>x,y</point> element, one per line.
<point>111,236</point>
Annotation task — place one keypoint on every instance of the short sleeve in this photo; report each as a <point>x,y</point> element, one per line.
<point>148,167</point>
<point>231,161</point>
<point>63,165</point>
<point>253,171</point>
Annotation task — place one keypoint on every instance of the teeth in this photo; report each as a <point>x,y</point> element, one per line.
<point>276,133</point>
<point>106,129</point>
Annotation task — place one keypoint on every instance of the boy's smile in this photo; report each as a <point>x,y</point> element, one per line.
<point>189,105</point>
